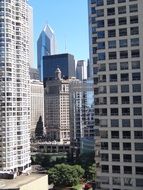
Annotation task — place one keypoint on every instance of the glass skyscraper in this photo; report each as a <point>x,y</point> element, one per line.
<point>46,45</point>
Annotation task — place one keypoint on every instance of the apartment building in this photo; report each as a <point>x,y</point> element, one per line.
<point>14,86</point>
<point>116,52</point>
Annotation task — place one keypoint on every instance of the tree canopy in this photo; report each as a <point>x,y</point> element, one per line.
<point>65,174</point>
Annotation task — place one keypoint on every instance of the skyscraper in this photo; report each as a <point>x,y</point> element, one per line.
<point>46,45</point>
<point>116,44</point>
<point>64,61</point>
<point>81,70</point>
<point>14,86</point>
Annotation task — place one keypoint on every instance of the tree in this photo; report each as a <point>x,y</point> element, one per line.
<point>39,128</point>
<point>65,174</point>
<point>91,172</point>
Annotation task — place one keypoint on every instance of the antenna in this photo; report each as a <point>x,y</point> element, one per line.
<point>66,45</point>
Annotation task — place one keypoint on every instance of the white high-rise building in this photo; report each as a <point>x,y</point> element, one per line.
<point>31,47</point>
<point>116,45</point>
<point>14,86</point>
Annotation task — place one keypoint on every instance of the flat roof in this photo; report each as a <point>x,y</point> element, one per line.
<point>19,181</point>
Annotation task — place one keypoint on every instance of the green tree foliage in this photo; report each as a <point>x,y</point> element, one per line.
<point>91,172</point>
<point>65,174</point>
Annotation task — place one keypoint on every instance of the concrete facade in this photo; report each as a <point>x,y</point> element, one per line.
<point>116,49</point>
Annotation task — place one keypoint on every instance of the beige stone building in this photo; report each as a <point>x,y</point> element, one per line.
<point>56,103</point>
<point>37,104</point>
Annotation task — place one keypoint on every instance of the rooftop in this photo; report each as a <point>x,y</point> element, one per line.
<point>19,181</point>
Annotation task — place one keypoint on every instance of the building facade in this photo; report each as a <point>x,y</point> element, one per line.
<point>37,105</point>
<point>116,49</point>
<point>57,113</point>
<point>65,62</point>
<point>14,86</point>
<point>46,45</point>
<point>81,70</point>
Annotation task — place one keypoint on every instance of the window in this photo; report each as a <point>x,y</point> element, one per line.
<point>101,34</point>
<point>99,2</point>
<point>135,42</point>
<point>112,66</point>
<point>123,43</point>
<point>101,56</point>
<point>126,146</point>
<point>126,134</point>
<point>100,12</point>
<point>125,99</point>
<point>93,30</point>
<point>123,54</point>
<point>104,157</point>
<point>116,157</point>
<point>102,67</point>
<point>104,145</point>
<point>138,134</point>
<point>111,33</point>
<point>115,122</point>
<point>113,100</point>
<point>137,100</point>
<point>110,2</point>
<point>127,170</point>
<point>137,111</point>
<point>121,1</point>
<point>133,19</point>
<point>135,53</point>
<point>114,89</point>
<point>136,76</point>
<point>136,87</point>
<point>139,170</point>
<point>123,32</point>
<point>139,182</point>
<point>115,134</point>
<point>115,169</point>
<point>124,77</point>
<point>100,23</point>
<point>115,146</point>
<point>125,111</point>
<point>111,11</point>
<point>128,181</point>
<point>94,50</point>
<point>113,78</point>
<point>122,10</point>
<point>116,181</point>
<point>122,20</point>
<point>138,146</point>
<point>101,45</point>
<point>124,88</point>
<point>112,55</point>
<point>112,44</point>
<point>124,65</point>
<point>93,20</point>
<point>114,111</point>
<point>105,168</point>
<point>133,8</point>
<point>111,22</point>
<point>137,122</point>
<point>139,158</point>
<point>93,10</point>
<point>127,158</point>
<point>134,30</point>
<point>125,122</point>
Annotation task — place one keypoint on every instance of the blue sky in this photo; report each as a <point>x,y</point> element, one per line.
<point>68,19</point>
